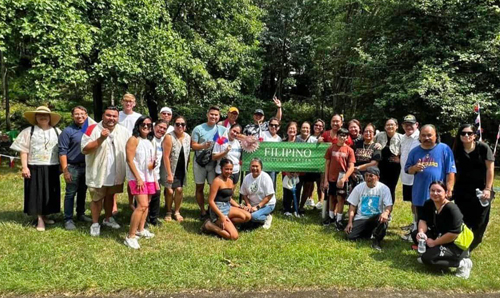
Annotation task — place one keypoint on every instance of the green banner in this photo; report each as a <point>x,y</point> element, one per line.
<point>289,157</point>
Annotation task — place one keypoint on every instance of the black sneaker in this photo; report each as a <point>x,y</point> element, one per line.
<point>327,221</point>
<point>376,245</point>
<point>155,223</point>
<point>339,226</point>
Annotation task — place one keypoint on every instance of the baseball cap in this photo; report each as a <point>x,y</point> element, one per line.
<point>410,119</point>
<point>259,111</point>
<point>373,170</point>
<point>234,109</point>
<point>166,110</point>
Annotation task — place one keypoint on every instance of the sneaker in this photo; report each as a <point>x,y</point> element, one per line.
<point>145,234</point>
<point>287,214</point>
<point>267,223</point>
<point>155,223</point>
<point>69,225</point>
<point>298,215</point>
<point>319,206</point>
<point>327,221</point>
<point>310,203</point>
<point>464,268</point>
<point>339,226</point>
<point>408,227</point>
<point>95,230</point>
<point>376,245</point>
<point>407,237</point>
<point>111,223</point>
<point>419,259</point>
<point>132,243</point>
<point>84,218</point>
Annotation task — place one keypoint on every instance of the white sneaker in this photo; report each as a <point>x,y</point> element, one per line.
<point>319,206</point>
<point>267,223</point>
<point>132,243</point>
<point>111,223</point>
<point>310,203</point>
<point>288,214</point>
<point>464,268</point>
<point>95,229</point>
<point>144,234</point>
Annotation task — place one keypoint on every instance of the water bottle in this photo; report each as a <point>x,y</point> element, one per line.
<point>480,196</point>
<point>421,246</point>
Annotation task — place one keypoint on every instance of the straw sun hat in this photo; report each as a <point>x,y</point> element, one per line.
<point>30,115</point>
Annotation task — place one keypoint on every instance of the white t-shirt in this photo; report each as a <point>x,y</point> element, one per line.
<point>144,154</point>
<point>258,188</point>
<point>407,143</point>
<point>233,155</point>
<point>269,138</point>
<point>128,120</point>
<point>370,201</point>
<point>43,149</point>
<point>157,144</point>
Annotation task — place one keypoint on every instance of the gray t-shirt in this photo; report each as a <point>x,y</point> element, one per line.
<point>370,201</point>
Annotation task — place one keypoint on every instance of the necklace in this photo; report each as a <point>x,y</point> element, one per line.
<point>46,140</point>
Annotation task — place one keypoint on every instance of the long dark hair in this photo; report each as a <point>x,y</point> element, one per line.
<point>458,145</point>
<point>440,183</point>
<point>140,120</point>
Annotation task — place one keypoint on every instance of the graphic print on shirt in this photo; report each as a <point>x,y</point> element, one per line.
<point>339,154</point>
<point>428,161</point>
<point>363,155</point>
<point>369,205</point>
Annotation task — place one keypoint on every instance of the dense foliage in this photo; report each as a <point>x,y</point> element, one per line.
<point>363,58</point>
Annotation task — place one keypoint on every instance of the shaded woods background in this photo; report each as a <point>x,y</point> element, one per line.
<point>365,59</point>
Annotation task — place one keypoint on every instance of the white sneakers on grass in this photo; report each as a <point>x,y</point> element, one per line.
<point>144,234</point>
<point>95,230</point>
<point>132,242</point>
<point>267,223</point>
<point>310,202</point>
<point>111,223</point>
<point>464,268</point>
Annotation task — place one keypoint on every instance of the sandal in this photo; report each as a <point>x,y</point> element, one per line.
<point>178,217</point>
<point>168,217</point>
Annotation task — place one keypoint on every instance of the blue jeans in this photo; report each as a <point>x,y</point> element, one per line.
<point>76,187</point>
<point>261,214</point>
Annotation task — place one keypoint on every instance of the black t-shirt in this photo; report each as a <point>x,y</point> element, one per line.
<point>449,220</point>
<point>365,153</point>
<point>471,168</point>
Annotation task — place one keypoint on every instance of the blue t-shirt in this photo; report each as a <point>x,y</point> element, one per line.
<point>205,133</point>
<point>438,163</point>
<point>69,144</point>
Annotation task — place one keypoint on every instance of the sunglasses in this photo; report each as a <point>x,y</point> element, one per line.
<point>273,125</point>
<point>466,133</point>
<point>147,125</point>
<point>180,124</point>
<point>165,113</point>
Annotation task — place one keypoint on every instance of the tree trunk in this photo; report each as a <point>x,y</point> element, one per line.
<point>150,96</point>
<point>97,99</point>
<point>5,91</point>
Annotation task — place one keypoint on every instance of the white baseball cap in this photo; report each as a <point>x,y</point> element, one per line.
<point>166,110</point>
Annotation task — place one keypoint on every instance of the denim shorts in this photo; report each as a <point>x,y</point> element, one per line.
<point>223,207</point>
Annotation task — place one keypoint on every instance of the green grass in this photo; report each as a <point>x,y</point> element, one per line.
<point>293,254</point>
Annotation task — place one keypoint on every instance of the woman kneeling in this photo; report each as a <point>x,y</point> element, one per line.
<point>224,211</point>
<point>439,225</point>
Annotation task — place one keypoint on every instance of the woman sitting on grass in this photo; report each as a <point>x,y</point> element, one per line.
<point>224,211</point>
<point>141,163</point>
<point>440,224</point>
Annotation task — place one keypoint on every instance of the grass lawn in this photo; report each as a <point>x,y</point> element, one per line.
<point>293,254</point>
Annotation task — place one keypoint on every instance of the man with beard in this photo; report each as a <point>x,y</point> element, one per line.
<point>431,161</point>
<point>104,146</point>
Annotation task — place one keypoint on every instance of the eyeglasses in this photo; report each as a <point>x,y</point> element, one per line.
<point>466,133</point>
<point>370,175</point>
<point>273,125</point>
<point>147,125</point>
<point>180,124</point>
<point>318,125</point>
<point>369,131</point>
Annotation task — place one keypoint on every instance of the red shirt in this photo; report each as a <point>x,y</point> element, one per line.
<point>327,137</point>
<point>340,158</point>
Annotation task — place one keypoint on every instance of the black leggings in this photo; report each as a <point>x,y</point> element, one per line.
<point>476,217</point>
<point>447,255</point>
<point>389,175</point>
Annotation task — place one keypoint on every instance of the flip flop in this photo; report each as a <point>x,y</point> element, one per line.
<point>168,217</point>
<point>178,217</point>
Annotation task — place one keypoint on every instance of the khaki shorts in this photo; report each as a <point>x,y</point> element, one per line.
<point>97,194</point>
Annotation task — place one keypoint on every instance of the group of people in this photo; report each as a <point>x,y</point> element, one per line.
<point>362,167</point>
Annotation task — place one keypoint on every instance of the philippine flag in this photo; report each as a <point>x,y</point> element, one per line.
<point>88,122</point>
<point>220,139</point>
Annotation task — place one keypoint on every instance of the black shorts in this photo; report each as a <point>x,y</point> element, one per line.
<point>407,193</point>
<point>334,191</point>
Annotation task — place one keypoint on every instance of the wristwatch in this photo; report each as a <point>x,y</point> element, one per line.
<point>258,207</point>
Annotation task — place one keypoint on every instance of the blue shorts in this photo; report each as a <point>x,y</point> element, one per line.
<point>224,207</point>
